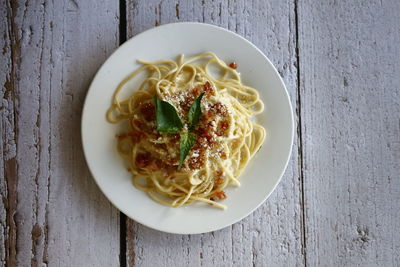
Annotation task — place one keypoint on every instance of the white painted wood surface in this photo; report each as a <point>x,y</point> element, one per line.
<point>350,115</point>
<point>53,212</point>
<point>338,203</point>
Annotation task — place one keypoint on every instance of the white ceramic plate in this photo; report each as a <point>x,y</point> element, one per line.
<point>262,174</point>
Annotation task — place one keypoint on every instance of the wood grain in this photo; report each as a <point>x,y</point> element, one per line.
<point>8,147</point>
<point>273,234</point>
<point>52,213</point>
<point>350,105</point>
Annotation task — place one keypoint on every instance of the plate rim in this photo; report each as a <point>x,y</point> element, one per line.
<point>286,93</point>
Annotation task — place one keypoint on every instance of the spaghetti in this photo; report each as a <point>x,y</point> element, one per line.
<point>226,138</point>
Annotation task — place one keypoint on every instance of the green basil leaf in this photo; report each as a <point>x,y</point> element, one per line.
<point>167,119</point>
<point>186,143</point>
<point>195,113</point>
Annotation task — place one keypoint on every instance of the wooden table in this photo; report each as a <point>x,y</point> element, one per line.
<point>339,201</point>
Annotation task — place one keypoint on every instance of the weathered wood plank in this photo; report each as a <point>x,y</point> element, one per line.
<point>350,106</point>
<point>272,235</point>
<point>55,213</point>
<point>9,120</point>
<point>8,148</point>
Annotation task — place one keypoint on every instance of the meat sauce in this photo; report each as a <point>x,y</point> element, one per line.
<point>219,196</point>
<point>206,132</point>
<point>136,136</point>
<point>218,181</point>
<point>233,65</point>
<point>143,160</point>
<point>195,92</point>
<point>148,111</point>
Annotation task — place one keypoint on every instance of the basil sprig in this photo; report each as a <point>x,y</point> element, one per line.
<point>195,113</point>
<point>186,143</point>
<point>168,121</point>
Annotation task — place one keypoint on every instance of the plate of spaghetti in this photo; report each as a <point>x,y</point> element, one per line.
<point>187,128</point>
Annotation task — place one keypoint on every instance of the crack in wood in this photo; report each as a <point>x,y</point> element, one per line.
<point>177,10</point>
<point>122,22</point>
<point>123,236</point>
<point>203,10</point>
<point>300,137</point>
<point>37,231</point>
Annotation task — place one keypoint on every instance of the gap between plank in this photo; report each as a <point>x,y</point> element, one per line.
<point>300,139</point>
<point>122,217</point>
<point>122,21</point>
